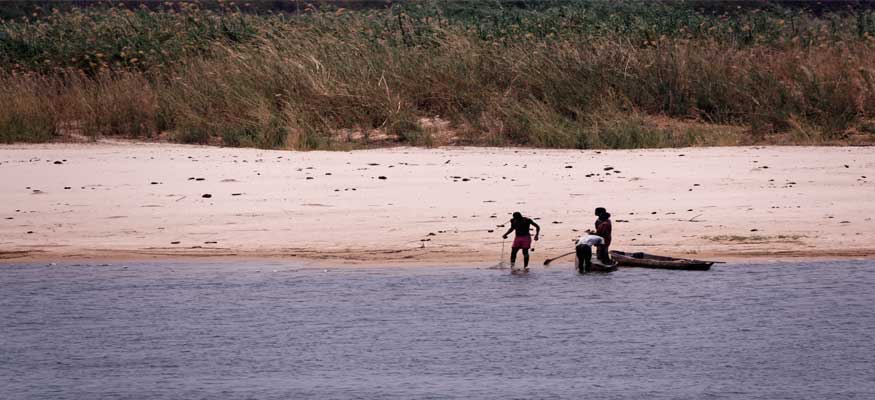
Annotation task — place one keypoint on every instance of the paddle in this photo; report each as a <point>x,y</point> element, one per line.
<point>549,260</point>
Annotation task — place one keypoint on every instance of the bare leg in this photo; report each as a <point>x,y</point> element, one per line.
<point>584,256</point>
<point>513,256</point>
<point>526,258</point>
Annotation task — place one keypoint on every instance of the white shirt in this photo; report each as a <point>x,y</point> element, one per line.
<point>590,240</point>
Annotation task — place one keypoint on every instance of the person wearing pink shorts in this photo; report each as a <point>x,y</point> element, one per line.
<point>523,238</point>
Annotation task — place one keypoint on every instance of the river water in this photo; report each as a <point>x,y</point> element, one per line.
<point>277,331</point>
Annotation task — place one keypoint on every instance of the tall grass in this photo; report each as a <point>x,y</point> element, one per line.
<point>26,113</point>
<point>577,75</point>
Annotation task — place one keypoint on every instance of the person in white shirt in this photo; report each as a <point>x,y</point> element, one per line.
<point>584,251</point>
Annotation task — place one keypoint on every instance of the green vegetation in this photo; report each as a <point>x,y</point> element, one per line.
<point>556,74</point>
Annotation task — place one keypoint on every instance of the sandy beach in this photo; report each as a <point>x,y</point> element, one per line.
<point>141,201</point>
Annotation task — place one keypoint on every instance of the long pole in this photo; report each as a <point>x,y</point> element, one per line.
<point>549,260</point>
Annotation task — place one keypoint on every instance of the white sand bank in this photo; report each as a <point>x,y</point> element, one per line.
<point>435,205</point>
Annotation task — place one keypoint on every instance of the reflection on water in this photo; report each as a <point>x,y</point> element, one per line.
<point>174,331</point>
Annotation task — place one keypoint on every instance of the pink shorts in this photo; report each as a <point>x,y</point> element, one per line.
<point>522,242</point>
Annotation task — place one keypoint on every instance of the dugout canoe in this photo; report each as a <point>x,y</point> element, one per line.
<point>598,266</point>
<point>644,260</point>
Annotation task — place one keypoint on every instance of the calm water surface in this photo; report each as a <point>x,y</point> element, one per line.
<point>276,331</point>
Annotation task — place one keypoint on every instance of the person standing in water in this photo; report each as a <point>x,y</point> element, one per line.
<point>523,238</point>
<point>603,228</point>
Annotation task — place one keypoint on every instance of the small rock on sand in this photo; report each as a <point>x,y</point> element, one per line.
<point>207,195</point>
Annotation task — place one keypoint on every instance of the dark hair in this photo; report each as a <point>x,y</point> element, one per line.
<point>605,215</point>
<point>600,210</point>
<point>517,215</point>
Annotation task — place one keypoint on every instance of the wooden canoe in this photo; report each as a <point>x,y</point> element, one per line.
<point>644,260</point>
<point>598,266</point>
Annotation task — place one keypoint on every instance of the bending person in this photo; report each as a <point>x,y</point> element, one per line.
<point>584,251</point>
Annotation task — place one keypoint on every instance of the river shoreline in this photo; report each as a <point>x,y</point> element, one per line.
<point>413,206</point>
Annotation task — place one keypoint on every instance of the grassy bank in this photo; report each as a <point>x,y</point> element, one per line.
<point>569,75</point>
